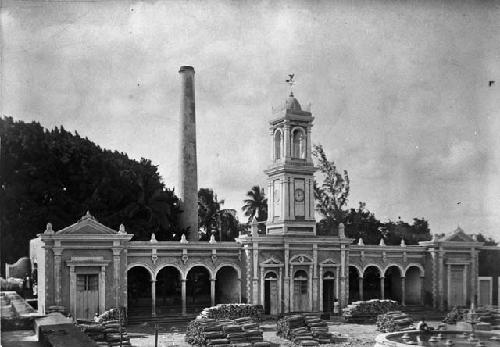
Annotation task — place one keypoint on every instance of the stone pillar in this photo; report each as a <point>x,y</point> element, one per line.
<point>255,275</point>
<point>310,289</point>
<point>57,275</point>
<point>116,275</point>
<point>473,277</point>
<point>239,290</point>
<point>187,188</point>
<point>382,288</point>
<point>403,291</point>
<point>287,147</point>
<point>72,291</point>
<point>183,296</point>
<point>102,290</point>
<point>440,279</point>
<point>360,279</point>
<point>280,290</point>
<point>212,291</point>
<point>308,144</point>
<point>291,290</point>
<point>286,281</point>
<point>422,290</point>
<point>153,298</point>
<point>262,283</point>
<point>315,304</point>
<point>343,276</point>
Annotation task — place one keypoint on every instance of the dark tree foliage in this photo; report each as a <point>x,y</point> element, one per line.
<point>255,205</point>
<point>56,176</point>
<point>213,219</point>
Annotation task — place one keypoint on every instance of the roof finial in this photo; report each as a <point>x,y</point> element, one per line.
<point>291,82</point>
<point>122,229</point>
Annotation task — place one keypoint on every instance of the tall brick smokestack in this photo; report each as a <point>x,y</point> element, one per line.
<point>187,189</point>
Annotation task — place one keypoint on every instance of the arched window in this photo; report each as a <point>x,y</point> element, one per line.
<point>299,144</point>
<point>271,276</point>
<point>277,145</point>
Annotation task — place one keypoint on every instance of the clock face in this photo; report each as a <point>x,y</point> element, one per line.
<point>299,195</point>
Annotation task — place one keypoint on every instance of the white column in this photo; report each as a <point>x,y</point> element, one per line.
<point>153,298</point>
<point>286,284</point>
<point>280,289</point>
<point>360,285</point>
<point>72,291</point>
<point>308,144</point>
<point>183,296</point>
<point>116,275</point>
<point>321,307</point>
<point>287,147</point>
<point>102,290</point>
<point>449,288</point>
<point>292,284</point>
<point>212,291</point>
<point>403,291</point>
<point>337,283</point>
<point>466,267</point>
<point>262,280</point>
<point>316,306</point>
<point>239,290</point>
<point>382,288</point>
<point>57,275</point>
<point>310,288</point>
<point>255,279</point>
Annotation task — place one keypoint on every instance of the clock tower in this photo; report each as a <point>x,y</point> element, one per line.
<point>290,175</point>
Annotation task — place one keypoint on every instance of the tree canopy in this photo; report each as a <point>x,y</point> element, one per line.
<point>56,176</point>
<point>255,205</point>
<point>212,219</point>
<point>331,203</point>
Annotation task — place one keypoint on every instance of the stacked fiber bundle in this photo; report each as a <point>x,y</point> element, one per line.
<point>211,332</point>
<point>304,330</point>
<point>393,321</point>
<point>112,334</point>
<point>95,331</point>
<point>56,308</point>
<point>232,311</point>
<point>363,311</point>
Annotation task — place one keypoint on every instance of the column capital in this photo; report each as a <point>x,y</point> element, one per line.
<point>57,251</point>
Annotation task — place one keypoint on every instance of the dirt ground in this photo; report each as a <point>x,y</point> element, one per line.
<point>357,334</point>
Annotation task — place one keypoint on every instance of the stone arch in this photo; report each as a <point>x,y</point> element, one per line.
<point>162,266</point>
<point>235,267</point>
<point>358,268</point>
<point>210,271</point>
<point>381,271</point>
<point>298,142</point>
<point>371,282</point>
<point>400,267</point>
<point>393,289</point>
<point>268,271</point>
<point>414,284</point>
<point>168,289</point>
<point>146,266</point>
<point>139,281</point>
<point>277,144</point>
<point>421,268</point>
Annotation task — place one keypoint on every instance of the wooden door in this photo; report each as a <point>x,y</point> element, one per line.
<point>328,295</point>
<point>301,299</point>
<point>271,297</point>
<point>87,296</point>
<point>456,290</point>
<point>485,291</point>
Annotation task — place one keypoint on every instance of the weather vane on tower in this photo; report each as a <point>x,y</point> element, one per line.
<point>291,82</point>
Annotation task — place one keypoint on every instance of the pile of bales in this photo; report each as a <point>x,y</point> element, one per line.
<point>243,331</point>
<point>366,311</point>
<point>232,311</point>
<point>304,330</point>
<point>108,329</point>
<point>393,321</point>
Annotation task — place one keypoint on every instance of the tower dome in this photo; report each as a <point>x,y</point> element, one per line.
<point>292,104</point>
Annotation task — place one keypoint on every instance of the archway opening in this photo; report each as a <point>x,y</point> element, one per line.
<point>392,284</point>
<point>353,284</point>
<point>277,145</point>
<point>168,291</point>
<point>139,301</point>
<point>371,283</point>
<point>329,294</point>
<point>298,144</point>
<point>413,283</point>
<point>227,286</point>
<point>198,289</point>
<point>301,291</point>
<point>271,293</point>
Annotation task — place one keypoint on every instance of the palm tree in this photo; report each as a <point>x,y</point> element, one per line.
<point>256,204</point>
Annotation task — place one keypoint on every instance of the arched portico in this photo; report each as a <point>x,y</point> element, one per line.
<point>200,288</point>
<point>393,283</point>
<point>168,293</point>
<point>227,284</point>
<point>355,284</point>
<point>414,285</point>
<point>140,290</point>
<point>373,283</point>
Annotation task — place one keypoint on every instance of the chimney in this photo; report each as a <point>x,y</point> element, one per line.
<point>187,188</point>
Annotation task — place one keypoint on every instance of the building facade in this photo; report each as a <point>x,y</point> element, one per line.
<point>88,267</point>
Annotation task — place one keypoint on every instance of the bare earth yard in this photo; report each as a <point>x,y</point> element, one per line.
<point>358,335</point>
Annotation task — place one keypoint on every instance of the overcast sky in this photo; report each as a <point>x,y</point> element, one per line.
<point>400,91</point>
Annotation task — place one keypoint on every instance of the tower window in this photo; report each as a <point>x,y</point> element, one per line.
<point>277,145</point>
<point>299,144</point>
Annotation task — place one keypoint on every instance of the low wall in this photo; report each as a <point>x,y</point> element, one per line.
<point>56,330</point>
